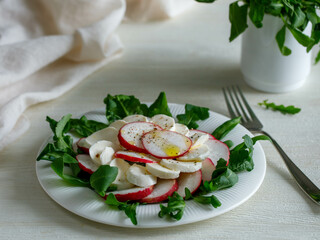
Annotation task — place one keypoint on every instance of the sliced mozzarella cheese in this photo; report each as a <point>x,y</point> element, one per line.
<point>139,176</point>
<point>198,139</point>
<point>98,148</point>
<point>181,166</point>
<point>198,153</point>
<point>106,156</point>
<point>181,128</point>
<point>162,172</point>
<point>108,134</point>
<point>121,181</point>
<point>163,121</point>
<point>135,157</point>
<point>118,124</point>
<point>135,118</point>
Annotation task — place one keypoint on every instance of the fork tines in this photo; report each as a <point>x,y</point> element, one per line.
<point>237,104</point>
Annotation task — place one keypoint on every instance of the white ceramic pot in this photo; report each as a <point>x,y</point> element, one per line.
<point>262,64</point>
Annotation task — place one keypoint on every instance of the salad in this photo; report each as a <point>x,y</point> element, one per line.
<point>144,155</point>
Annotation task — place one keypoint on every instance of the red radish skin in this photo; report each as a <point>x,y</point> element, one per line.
<point>162,190</point>
<point>132,194</point>
<point>86,164</point>
<point>130,135</point>
<point>157,144</point>
<point>193,131</point>
<point>192,181</point>
<point>218,150</point>
<point>81,145</point>
<point>134,157</point>
<point>207,169</point>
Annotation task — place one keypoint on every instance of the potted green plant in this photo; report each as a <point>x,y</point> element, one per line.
<point>277,38</point>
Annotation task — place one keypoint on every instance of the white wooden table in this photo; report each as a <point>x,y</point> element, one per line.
<point>189,58</point>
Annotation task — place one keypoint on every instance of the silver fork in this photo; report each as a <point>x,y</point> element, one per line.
<point>237,104</point>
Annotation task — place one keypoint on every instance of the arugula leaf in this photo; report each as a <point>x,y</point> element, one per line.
<point>58,165</point>
<point>129,209</point>
<point>120,106</point>
<point>160,106</point>
<point>238,19</point>
<point>229,143</point>
<point>280,38</point>
<point>221,131</point>
<point>222,177</point>
<point>192,114</point>
<point>213,200</point>
<point>281,108</point>
<point>84,127</point>
<point>174,208</point>
<point>241,156</point>
<point>101,179</point>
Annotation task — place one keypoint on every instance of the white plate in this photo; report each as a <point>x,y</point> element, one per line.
<point>84,202</point>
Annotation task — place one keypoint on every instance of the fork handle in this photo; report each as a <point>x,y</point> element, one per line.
<point>303,181</point>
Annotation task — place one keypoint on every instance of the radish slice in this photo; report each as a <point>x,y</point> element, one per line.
<point>198,153</point>
<point>139,176</point>
<point>161,191</point>
<point>135,157</point>
<point>83,145</point>
<point>131,133</point>
<point>207,169</point>
<point>86,163</point>
<point>191,181</point>
<point>163,121</point>
<point>166,144</point>
<point>181,166</point>
<point>217,150</point>
<point>131,194</point>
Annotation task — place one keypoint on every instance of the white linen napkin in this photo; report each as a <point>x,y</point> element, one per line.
<point>49,46</point>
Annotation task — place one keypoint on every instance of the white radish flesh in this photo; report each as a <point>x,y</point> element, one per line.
<point>131,133</point>
<point>163,121</point>
<point>162,172</point>
<point>161,191</point>
<point>86,163</point>
<point>139,176</point>
<point>207,169</point>
<point>191,181</point>
<point>194,131</point>
<point>198,153</point>
<point>135,157</point>
<point>217,150</point>
<point>166,144</point>
<point>83,145</point>
<point>181,166</point>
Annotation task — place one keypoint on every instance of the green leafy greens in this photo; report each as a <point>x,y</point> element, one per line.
<point>192,115</point>
<point>295,15</point>
<point>128,208</point>
<point>281,108</point>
